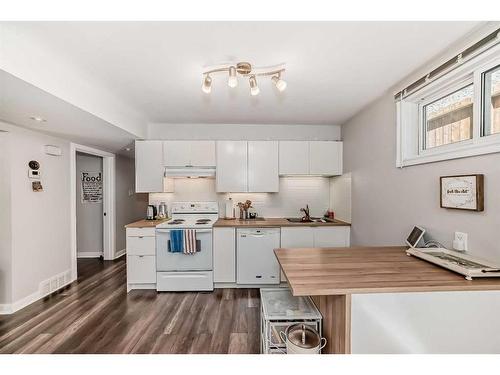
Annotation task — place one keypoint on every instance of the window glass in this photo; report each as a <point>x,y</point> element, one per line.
<point>491,104</point>
<point>449,119</point>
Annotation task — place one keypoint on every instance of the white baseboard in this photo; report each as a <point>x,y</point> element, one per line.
<point>90,254</point>
<point>120,253</point>
<point>7,309</point>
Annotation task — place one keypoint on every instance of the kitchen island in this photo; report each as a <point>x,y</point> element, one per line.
<point>334,276</point>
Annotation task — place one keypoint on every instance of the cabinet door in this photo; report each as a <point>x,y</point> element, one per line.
<point>203,153</point>
<point>332,236</point>
<point>141,269</point>
<point>292,237</point>
<point>176,153</point>
<point>148,166</point>
<point>293,157</point>
<point>325,158</point>
<point>231,173</point>
<point>224,255</point>
<point>263,166</point>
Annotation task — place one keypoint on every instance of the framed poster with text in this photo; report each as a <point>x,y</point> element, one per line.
<point>464,192</point>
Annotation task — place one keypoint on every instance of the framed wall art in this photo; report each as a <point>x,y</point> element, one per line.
<point>463,192</point>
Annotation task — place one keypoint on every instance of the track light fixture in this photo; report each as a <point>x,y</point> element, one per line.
<point>207,85</point>
<point>245,69</point>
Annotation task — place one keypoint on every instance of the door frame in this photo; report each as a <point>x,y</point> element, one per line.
<point>108,200</point>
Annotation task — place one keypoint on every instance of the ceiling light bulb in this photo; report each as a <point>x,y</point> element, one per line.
<point>279,83</point>
<point>233,80</point>
<point>207,84</point>
<point>254,89</point>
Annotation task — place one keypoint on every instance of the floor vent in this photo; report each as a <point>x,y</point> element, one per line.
<point>54,283</point>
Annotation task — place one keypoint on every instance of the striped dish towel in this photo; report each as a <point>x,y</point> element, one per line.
<point>189,241</point>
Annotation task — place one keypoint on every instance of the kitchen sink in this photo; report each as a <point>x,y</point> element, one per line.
<point>312,220</point>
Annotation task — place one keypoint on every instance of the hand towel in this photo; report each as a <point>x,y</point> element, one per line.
<point>189,241</point>
<point>176,241</point>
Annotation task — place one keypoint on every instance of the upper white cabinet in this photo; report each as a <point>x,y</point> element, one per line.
<point>325,158</point>
<point>263,166</point>
<point>232,167</point>
<point>310,158</point>
<point>189,153</point>
<point>148,166</point>
<point>293,158</point>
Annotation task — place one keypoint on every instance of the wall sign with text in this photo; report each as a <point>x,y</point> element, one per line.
<point>464,192</point>
<point>91,187</point>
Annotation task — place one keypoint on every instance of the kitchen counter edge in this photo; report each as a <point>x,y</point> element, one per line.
<point>271,223</point>
<point>145,223</point>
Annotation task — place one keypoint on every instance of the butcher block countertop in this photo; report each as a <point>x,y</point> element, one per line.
<point>145,223</point>
<point>359,270</point>
<point>272,222</point>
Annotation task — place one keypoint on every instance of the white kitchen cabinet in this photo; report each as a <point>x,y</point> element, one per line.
<point>141,269</point>
<point>141,258</point>
<point>325,158</point>
<point>149,166</point>
<point>330,236</point>
<point>297,237</point>
<point>189,153</point>
<point>263,166</point>
<point>224,247</point>
<point>232,171</point>
<point>293,157</point>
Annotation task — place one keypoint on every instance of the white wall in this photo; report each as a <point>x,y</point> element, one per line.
<point>40,221</point>
<point>130,206</point>
<point>89,216</point>
<point>295,192</point>
<point>340,197</point>
<point>244,132</point>
<point>5,223</point>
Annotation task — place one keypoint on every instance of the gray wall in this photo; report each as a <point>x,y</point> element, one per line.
<point>129,205</point>
<point>387,201</point>
<point>89,216</point>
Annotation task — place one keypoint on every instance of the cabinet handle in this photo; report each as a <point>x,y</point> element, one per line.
<point>140,236</point>
<point>258,277</point>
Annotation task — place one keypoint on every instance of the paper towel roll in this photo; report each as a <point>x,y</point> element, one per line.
<point>229,208</point>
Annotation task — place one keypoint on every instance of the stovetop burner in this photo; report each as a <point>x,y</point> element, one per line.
<point>203,221</point>
<point>176,221</point>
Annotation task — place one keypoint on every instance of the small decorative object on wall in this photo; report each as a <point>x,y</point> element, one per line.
<point>37,186</point>
<point>463,192</point>
<point>91,187</point>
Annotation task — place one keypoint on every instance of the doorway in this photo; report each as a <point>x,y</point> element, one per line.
<point>89,206</point>
<point>92,205</point>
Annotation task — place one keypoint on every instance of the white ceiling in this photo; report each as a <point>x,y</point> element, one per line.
<point>333,68</point>
<point>20,100</point>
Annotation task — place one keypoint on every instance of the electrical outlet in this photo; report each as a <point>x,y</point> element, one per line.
<point>460,241</point>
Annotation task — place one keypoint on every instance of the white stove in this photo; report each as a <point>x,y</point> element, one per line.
<point>192,215</point>
<point>178,271</point>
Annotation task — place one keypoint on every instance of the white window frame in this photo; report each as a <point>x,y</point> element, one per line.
<point>410,122</point>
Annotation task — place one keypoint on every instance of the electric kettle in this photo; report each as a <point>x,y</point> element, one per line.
<point>151,212</point>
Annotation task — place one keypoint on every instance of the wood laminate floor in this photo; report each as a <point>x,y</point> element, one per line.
<point>96,315</point>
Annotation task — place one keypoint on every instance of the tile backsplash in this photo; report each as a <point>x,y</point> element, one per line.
<point>295,192</point>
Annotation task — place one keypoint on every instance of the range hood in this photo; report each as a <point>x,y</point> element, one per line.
<point>190,172</point>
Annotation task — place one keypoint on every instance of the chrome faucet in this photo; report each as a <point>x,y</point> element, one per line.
<point>306,216</point>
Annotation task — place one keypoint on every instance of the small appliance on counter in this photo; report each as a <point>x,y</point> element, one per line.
<point>151,212</point>
<point>162,210</point>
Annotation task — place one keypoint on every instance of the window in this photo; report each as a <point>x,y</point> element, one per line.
<point>454,115</point>
<point>491,101</point>
<point>449,119</point>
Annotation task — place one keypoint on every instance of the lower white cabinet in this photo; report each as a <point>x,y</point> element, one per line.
<point>141,258</point>
<point>332,236</point>
<point>224,248</point>
<point>297,237</point>
<point>141,269</point>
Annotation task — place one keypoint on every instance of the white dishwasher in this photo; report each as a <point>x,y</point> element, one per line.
<point>256,262</point>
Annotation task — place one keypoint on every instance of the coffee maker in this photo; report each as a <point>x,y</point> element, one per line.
<point>151,212</point>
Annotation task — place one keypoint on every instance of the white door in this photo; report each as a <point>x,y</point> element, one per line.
<point>295,237</point>
<point>224,255</point>
<point>231,175</point>
<point>263,174</point>
<point>293,157</point>
<point>325,158</point>
<point>332,236</point>
<point>176,153</point>
<point>203,153</point>
<point>149,166</point>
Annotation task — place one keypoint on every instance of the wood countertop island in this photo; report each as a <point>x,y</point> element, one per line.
<point>331,275</point>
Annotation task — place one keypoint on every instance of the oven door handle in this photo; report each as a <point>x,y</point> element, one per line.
<point>197,230</point>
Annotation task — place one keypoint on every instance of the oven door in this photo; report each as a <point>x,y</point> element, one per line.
<point>200,261</point>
